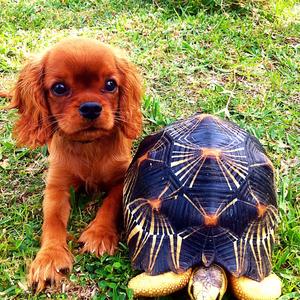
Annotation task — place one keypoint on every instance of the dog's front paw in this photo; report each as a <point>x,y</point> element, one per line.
<point>50,266</point>
<point>99,240</point>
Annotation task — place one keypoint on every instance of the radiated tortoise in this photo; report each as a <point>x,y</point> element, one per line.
<point>200,203</point>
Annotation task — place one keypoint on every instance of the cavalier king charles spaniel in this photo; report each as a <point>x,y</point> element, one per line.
<point>82,99</point>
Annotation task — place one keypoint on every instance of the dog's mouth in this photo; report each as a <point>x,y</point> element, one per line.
<point>91,129</point>
<point>84,131</point>
<point>88,134</point>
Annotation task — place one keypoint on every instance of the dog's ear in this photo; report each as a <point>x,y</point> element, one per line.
<point>130,98</point>
<point>33,128</point>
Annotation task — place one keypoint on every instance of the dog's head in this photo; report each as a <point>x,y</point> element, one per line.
<point>81,87</point>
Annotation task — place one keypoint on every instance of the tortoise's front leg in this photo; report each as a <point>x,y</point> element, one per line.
<point>146,285</point>
<point>247,289</point>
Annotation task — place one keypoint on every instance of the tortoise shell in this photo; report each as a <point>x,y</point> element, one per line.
<point>201,191</point>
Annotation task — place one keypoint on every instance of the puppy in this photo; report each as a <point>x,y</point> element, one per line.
<point>82,99</point>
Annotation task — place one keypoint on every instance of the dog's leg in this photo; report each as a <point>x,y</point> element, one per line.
<point>102,234</point>
<point>54,259</point>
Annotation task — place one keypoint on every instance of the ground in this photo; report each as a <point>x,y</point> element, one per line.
<point>240,62</point>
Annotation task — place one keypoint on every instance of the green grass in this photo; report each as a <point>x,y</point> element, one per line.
<point>239,62</point>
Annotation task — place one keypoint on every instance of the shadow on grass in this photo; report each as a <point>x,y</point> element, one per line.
<point>192,7</point>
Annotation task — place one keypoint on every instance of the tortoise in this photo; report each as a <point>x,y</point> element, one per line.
<point>200,206</point>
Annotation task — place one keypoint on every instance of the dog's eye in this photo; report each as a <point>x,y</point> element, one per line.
<point>110,85</point>
<point>60,89</point>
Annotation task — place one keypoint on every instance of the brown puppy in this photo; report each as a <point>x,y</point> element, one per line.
<point>83,100</point>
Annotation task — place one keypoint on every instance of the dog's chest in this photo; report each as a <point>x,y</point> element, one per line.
<point>94,170</point>
<point>96,164</point>
<point>99,168</point>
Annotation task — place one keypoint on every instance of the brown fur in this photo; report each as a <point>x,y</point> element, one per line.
<point>94,153</point>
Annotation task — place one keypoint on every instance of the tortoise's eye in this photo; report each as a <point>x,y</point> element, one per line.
<point>110,85</point>
<point>60,89</point>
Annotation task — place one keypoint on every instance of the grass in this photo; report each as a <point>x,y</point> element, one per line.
<point>236,61</point>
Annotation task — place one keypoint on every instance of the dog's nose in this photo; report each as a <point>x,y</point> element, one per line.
<point>90,110</point>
